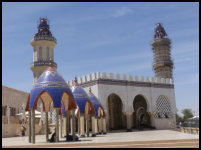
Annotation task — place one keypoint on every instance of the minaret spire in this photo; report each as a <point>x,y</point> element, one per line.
<point>43,44</point>
<point>163,64</point>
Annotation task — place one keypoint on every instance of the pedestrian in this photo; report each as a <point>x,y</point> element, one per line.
<point>23,129</point>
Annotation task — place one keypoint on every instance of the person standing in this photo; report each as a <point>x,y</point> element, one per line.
<point>23,130</point>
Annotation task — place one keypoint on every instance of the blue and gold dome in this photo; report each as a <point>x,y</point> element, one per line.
<point>81,98</point>
<point>95,102</point>
<point>51,82</point>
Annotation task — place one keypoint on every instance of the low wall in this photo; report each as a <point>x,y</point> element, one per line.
<point>163,123</point>
<point>189,130</point>
<point>12,130</point>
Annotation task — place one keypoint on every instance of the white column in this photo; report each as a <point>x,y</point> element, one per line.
<point>57,124</point>
<point>93,125</point>
<point>73,124</point>
<point>46,121</point>
<point>29,126</point>
<point>87,125</point>
<point>82,133</point>
<point>67,123</point>
<point>100,125</point>
<point>129,121</point>
<point>104,125</point>
<point>78,122</point>
<point>61,124</point>
<point>96,125</point>
<point>33,125</point>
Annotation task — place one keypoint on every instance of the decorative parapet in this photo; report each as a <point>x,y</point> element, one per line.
<point>89,77</point>
<point>130,78</point>
<point>118,76</point>
<point>112,76</point>
<point>124,77</point>
<point>79,80</point>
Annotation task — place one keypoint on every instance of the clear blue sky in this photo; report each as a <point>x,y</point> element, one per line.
<point>104,37</point>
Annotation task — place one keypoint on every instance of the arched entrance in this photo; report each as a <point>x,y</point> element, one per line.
<point>141,116</point>
<point>114,107</point>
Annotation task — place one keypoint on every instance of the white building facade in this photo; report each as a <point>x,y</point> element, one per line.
<point>133,102</point>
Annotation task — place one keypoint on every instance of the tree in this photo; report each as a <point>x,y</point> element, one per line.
<point>178,118</point>
<point>187,113</point>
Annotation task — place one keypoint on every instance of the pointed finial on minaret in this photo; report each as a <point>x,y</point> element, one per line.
<point>159,31</point>
<point>75,81</point>
<point>90,90</point>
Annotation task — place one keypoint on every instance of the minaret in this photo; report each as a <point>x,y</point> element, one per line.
<point>43,44</point>
<point>163,64</point>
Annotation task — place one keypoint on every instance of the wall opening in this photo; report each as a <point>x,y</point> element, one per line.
<point>141,117</point>
<point>114,107</point>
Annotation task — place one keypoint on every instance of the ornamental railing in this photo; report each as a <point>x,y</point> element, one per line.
<point>43,63</point>
<point>49,38</point>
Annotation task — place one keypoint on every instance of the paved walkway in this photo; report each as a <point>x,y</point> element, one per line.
<point>153,138</point>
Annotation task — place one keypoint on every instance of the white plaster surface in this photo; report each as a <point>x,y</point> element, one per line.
<point>127,95</point>
<point>120,136</point>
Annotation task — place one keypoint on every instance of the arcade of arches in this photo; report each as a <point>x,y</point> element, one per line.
<point>117,119</point>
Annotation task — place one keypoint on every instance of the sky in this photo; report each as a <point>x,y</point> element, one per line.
<point>111,37</point>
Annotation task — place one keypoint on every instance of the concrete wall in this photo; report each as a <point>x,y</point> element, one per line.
<point>13,98</point>
<point>13,120</point>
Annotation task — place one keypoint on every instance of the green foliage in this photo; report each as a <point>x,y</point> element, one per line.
<point>178,118</point>
<point>187,113</point>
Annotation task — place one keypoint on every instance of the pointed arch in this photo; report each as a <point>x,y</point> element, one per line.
<point>115,115</point>
<point>141,116</point>
<point>89,109</point>
<point>68,101</point>
<point>101,112</point>
<point>46,99</point>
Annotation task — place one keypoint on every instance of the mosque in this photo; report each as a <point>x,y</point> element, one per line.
<point>99,102</point>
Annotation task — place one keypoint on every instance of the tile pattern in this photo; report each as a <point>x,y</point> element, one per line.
<point>163,107</point>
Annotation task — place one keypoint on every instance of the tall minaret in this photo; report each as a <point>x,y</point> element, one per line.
<point>163,64</point>
<point>43,44</point>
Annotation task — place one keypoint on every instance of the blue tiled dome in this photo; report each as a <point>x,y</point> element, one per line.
<point>96,104</point>
<point>80,97</point>
<point>51,82</point>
